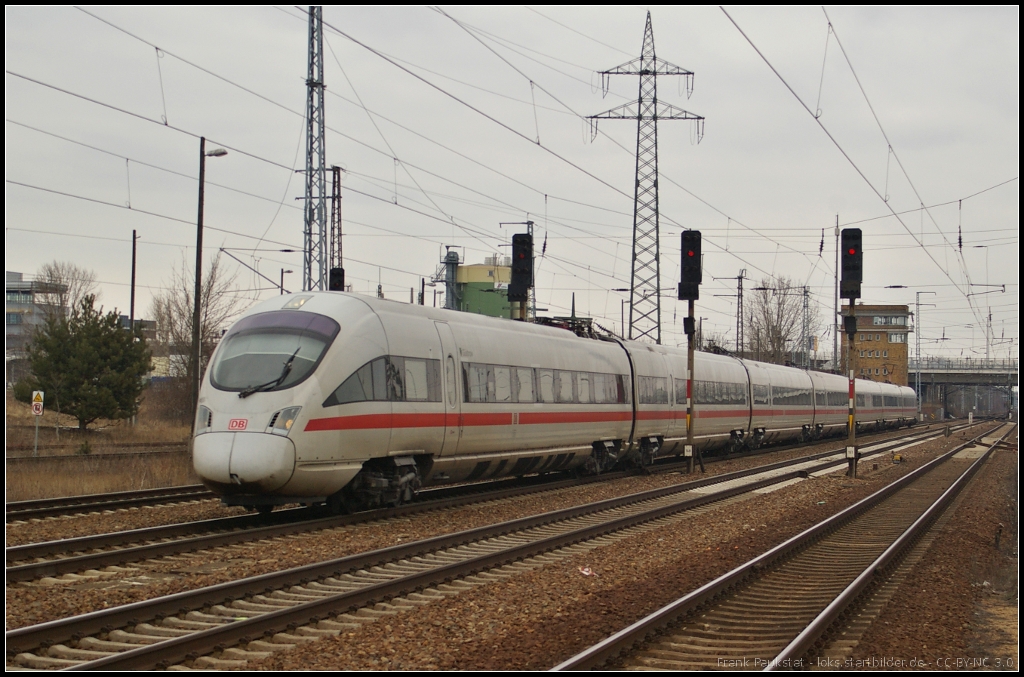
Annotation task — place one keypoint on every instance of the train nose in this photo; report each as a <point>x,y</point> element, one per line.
<point>243,463</point>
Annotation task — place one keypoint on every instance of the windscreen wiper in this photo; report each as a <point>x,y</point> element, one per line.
<point>270,385</point>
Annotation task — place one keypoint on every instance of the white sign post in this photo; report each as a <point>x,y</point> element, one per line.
<point>37,411</point>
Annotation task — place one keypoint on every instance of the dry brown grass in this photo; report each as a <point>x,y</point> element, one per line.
<point>101,436</point>
<point>63,470</point>
<point>79,475</point>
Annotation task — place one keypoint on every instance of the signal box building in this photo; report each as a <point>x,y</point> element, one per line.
<point>880,348</point>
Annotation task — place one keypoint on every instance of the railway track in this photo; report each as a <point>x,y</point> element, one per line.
<point>281,609</point>
<point>52,507</point>
<point>93,553</point>
<point>54,558</point>
<point>777,611</point>
<point>71,505</point>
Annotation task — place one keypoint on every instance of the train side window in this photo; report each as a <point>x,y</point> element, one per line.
<point>502,384</point>
<point>476,382</point>
<point>761,394</point>
<point>583,387</point>
<point>379,376</point>
<point>625,389</point>
<point>652,389</point>
<point>876,400</point>
<point>378,380</point>
<point>604,388</point>
<point>563,386</point>
<point>450,377</point>
<point>395,370</point>
<point>860,401</point>
<point>524,385</point>
<point>356,388</point>
<point>417,383</point>
<point>739,393</point>
<point>545,385</point>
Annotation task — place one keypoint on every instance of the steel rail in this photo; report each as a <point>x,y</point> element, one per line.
<point>47,507</point>
<point>880,568</point>
<point>231,530</point>
<point>247,528</point>
<point>179,649</point>
<point>609,648</point>
<point>55,631</point>
<point>50,507</point>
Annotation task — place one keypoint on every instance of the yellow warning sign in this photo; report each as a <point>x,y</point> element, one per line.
<point>37,396</point>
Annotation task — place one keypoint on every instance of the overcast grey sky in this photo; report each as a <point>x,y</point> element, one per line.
<point>443,158</point>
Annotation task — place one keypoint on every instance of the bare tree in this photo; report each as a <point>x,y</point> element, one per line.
<point>775,317</point>
<point>62,285</point>
<point>715,342</point>
<point>173,311</point>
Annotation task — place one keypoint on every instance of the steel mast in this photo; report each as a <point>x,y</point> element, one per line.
<point>315,254</point>
<point>644,291</point>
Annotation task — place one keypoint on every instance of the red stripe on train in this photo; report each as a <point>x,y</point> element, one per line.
<point>530,418</point>
<point>379,421</point>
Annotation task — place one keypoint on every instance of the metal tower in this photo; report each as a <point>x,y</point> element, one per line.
<point>644,291</point>
<point>315,243</point>
<point>740,345</point>
<point>335,243</point>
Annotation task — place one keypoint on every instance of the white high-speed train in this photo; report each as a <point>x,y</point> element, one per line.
<point>356,401</point>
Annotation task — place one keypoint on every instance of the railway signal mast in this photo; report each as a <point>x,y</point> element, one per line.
<point>689,290</point>
<point>336,277</point>
<point>522,272</point>
<point>645,284</point>
<point>849,288</point>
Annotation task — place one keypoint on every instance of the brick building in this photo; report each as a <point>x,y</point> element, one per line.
<point>880,348</point>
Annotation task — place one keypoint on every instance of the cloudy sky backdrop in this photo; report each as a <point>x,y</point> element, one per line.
<point>448,125</point>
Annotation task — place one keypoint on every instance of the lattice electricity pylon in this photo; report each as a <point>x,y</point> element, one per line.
<point>644,292</point>
<point>315,245</point>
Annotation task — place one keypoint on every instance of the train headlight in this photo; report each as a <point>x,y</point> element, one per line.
<point>204,419</point>
<point>281,422</point>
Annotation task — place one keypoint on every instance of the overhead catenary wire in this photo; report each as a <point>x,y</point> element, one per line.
<point>249,90</point>
<point>138,211</point>
<point>841,149</point>
<point>662,176</point>
<point>795,242</point>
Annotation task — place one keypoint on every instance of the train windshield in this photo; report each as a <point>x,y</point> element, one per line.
<point>272,351</point>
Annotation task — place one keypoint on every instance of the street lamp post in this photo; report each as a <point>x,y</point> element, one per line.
<point>917,340</point>
<point>283,271</point>
<point>196,314</point>
<point>917,351</point>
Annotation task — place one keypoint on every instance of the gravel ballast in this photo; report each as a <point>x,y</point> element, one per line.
<point>539,618</point>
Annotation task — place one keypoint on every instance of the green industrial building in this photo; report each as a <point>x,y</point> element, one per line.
<point>483,288</point>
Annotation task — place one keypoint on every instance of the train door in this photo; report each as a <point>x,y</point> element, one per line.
<point>452,401</point>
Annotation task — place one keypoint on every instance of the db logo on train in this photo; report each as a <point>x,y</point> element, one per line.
<point>238,423</point>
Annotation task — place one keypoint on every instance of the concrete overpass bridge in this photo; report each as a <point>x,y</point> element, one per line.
<point>958,386</point>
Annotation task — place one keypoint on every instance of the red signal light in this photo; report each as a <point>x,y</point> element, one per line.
<point>852,251</point>
<point>689,253</point>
